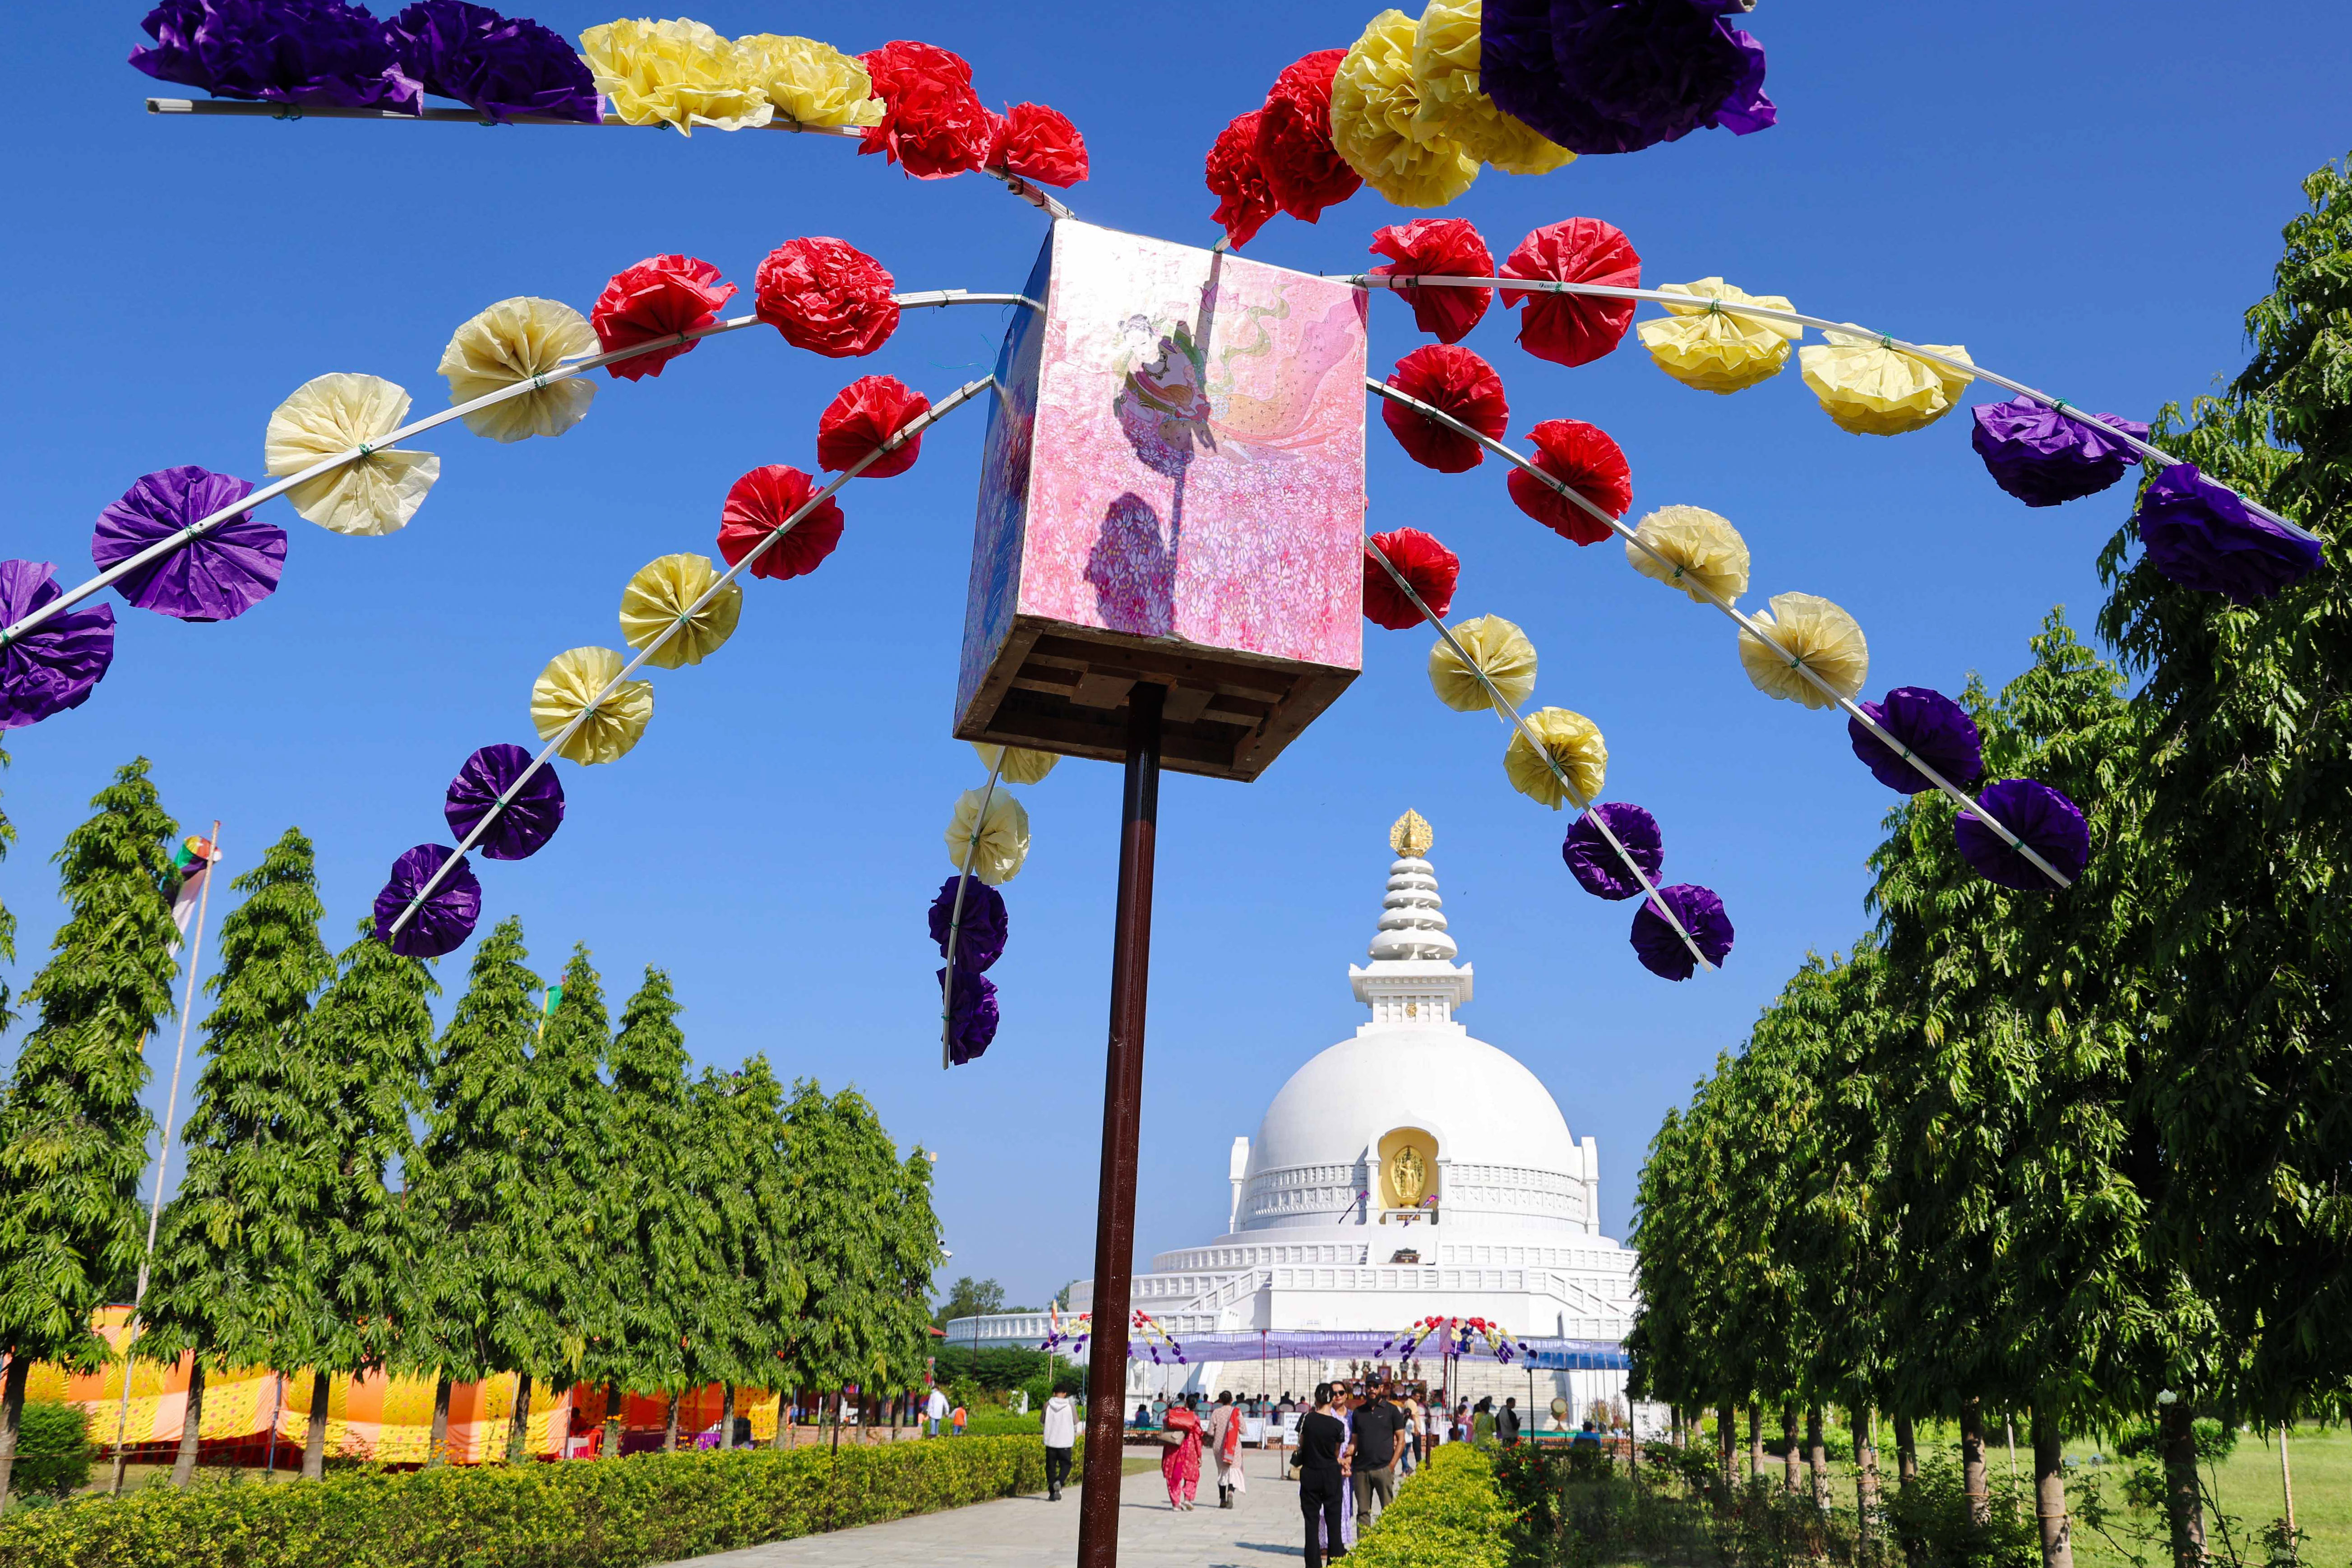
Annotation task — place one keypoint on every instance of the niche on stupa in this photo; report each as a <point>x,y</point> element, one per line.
<point>1408,1174</point>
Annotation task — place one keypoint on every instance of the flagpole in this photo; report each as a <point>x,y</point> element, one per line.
<point>163,1152</point>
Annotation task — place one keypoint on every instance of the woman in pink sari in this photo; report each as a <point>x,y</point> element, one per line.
<point>1180,1464</point>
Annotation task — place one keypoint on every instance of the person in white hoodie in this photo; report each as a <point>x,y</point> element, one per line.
<point>1061,1423</point>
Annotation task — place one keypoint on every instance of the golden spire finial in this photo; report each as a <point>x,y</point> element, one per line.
<point>1412,835</point>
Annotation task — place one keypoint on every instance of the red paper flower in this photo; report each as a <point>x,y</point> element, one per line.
<point>1457,382</point>
<point>1243,200</point>
<point>933,125</point>
<point>1038,144</point>
<point>1586,461</point>
<point>1573,329</point>
<point>868,411</point>
<point>1438,248</point>
<point>660,296</point>
<point>1302,167</point>
<point>1429,567</point>
<point>828,297</point>
<point>757,506</point>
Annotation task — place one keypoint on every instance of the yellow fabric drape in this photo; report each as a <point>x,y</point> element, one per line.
<point>334,412</point>
<point>1714,351</point>
<point>566,688</point>
<point>808,82</point>
<point>514,340</point>
<point>1496,646</point>
<point>1812,630</point>
<point>1022,765</point>
<point>1374,122</point>
<point>657,597</point>
<point>1873,390</point>
<point>1702,548</point>
<point>1573,741</point>
<point>1004,836</point>
<point>1445,54</point>
<point>678,73</point>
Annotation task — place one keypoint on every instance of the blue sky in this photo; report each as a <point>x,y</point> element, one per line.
<point>2087,196</point>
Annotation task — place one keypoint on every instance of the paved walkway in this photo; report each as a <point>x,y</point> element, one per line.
<point>1260,1530</point>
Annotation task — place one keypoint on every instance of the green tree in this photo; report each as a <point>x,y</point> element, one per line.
<point>652,1243</point>
<point>969,1298</point>
<point>845,1176</point>
<point>910,1256</point>
<point>734,1332</point>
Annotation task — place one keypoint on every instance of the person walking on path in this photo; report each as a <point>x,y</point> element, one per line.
<point>1377,1424</point>
<point>1482,1423</point>
<point>1321,1437</point>
<point>1226,1444</point>
<point>935,1408</point>
<point>1507,1424</point>
<point>1060,1419</point>
<point>956,1418</point>
<point>1180,1463</point>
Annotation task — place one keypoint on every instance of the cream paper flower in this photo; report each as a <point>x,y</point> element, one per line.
<point>658,598</point>
<point>566,688</point>
<point>1022,765</point>
<point>1573,741</point>
<point>1714,351</point>
<point>329,414</point>
<point>1004,836</point>
<point>1814,632</point>
<point>1446,54</point>
<point>1873,390</point>
<point>1374,122</point>
<point>809,83</point>
<point>516,340</point>
<point>1495,645</point>
<point>677,73</point>
<point>1702,551</point>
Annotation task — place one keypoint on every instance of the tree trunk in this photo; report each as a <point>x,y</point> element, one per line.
<point>1972,1462</point>
<point>784,1438</point>
<point>1865,1477</point>
<point>1723,1440</point>
<point>616,1406</point>
<point>1817,1458</point>
<point>519,1426</point>
<point>183,1467</point>
<point>2184,1508</point>
<point>726,1418</point>
<point>1906,1453</point>
<point>2286,1481</point>
<point>1754,1442</point>
<point>12,1415</point>
<point>1790,1459</point>
<point>669,1427</point>
<point>2050,1492</point>
<point>314,1441</point>
<point>437,1447</point>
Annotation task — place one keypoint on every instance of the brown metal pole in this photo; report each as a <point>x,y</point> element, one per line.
<point>1130,965</point>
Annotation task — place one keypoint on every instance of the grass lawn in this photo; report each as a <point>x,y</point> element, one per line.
<point>2247,1487</point>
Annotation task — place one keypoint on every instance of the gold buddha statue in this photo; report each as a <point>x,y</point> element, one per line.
<point>1408,1177</point>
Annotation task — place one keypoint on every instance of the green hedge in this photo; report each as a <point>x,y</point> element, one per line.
<point>613,1513</point>
<point>1448,1514</point>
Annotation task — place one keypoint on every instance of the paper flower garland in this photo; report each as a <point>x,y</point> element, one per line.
<point>1662,953</point>
<point>1501,651</point>
<point>1713,349</point>
<point>1438,248</point>
<point>1571,329</point>
<point>1704,551</point>
<point>2041,817</point>
<point>1236,177</point>
<point>53,667</point>
<point>828,297</point>
<point>1445,72</point>
<point>863,414</point>
<point>807,82</point>
<point>1873,389</point>
<point>1003,834</point>
<point>217,578</point>
<point>981,930</point>
<point>518,340</point>
<point>564,691</point>
<point>286,51</point>
<point>1019,765</point>
<point>501,65</point>
<point>1933,727</point>
<point>660,296</point>
<point>1584,458</point>
<point>677,73</point>
<point>1301,166</point>
<point>329,415</point>
<point>758,505</point>
<point>1429,567</point>
<point>933,125</point>
<point>2044,457</point>
<point>2202,536</point>
<point>1812,631</point>
<point>1573,741</point>
<point>1597,867</point>
<point>973,1017</point>
<point>1036,142</point>
<point>1617,76</point>
<point>444,920</point>
<point>1457,381</point>
<point>658,598</point>
<point>529,819</point>
<point>1375,112</point>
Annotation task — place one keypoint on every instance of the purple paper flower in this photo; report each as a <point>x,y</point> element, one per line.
<point>2041,817</point>
<point>979,938</point>
<point>1938,730</point>
<point>529,819</point>
<point>1663,952</point>
<point>2044,458</point>
<point>444,920</point>
<point>214,578</point>
<point>1597,867</point>
<point>2202,536</point>
<point>283,51</point>
<point>971,1016</point>
<point>53,667</point>
<point>503,67</point>
<point>1616,76</point>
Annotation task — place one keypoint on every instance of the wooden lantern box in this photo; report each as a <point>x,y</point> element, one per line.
<point>1171,492</point>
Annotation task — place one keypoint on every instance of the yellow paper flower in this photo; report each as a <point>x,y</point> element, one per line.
<point>1812,631</point>
<point>1374,110</point>
<point>677,73</point>
<point>1702,551</point>
<point>1714,351</point>
<point>810,83</point>
<point>1022,765</point>
<point>331,413</point>
<point>564,691</point>
<point>1445,53</point>
<point>1873,390</point>
<point>514,340</point>
<point>1500,649</point>
<point>1004,836</point>
<point>656,599</point>
<point>1574,743</point>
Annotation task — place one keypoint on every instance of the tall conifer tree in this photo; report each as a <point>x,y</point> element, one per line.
<point>650,1245</point>
<point>844,1176</point>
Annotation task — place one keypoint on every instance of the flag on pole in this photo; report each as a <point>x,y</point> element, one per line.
<point>191,862</point>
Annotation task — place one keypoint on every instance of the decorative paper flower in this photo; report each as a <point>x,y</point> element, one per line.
<point>1810,631</point>
<point>659,597</point>
<point>933,125</point>
<point>1429,567</point>
<point>1586,461</point>
<point>863,414</point>
<point>828,297</point>
<point>1438,248</point>
<point>2044,457</point>
<point>1660,68</point>
<point>980,932</point>
<point>331,414</point>
<point>1929,725</point>
<point>677,73</point>
<point>809,83</point>
<point>1302,168</point>
<point>567,689</point>
<point>1374,110</point>
<point>529,819</point>
<point>660,296</point>
<point>1446,60</point>
<point>1662,953</point>
<point>972,1013</point>
<point>1022,765</point>
<point>1453,381</point>
<point>1499,649</point>
<point>1716,352</point>
<point>1571,740</point>
<point>1871,389</point>
<point>2043,818</point>
<point>1573,329</point>
<point>1245,200</point>
<point>443,922</point>
<point>501,65</point>
<point>2202,536</point>
<point>1703,551</point>
<point>215,578</point>
<point>1517,72</point>
<point>1038,144</point>
<point>1597,867</point>
<point>53,667</point>
<point>283,51</point>
<point>518,340</point>
<point>758,503</point>
<point>1003,834</point>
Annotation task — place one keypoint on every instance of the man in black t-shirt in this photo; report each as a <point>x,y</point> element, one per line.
<point>1321,1437</point>
<point>1378,1425</point>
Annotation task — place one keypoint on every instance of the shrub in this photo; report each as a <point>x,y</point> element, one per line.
<point>53,1450</point>
<point>1448,1514</point>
